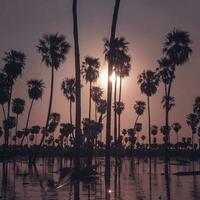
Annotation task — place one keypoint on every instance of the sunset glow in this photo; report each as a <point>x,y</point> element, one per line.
<point>103,78</point>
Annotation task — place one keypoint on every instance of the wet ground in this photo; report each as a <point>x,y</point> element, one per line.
<point>135,179</point>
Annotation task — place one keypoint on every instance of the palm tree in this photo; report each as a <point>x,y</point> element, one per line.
<point>109,87</point>
<point>176,127</point>
<point>122,71</point>
<point>138,129</point>
<point>154,131</point>
<point>90,72</point>
<point>96,95</point>
<point>4,92</point>
<point>53,49</point>
<point>176,52</point>
<point>101,109</point>
<point>119,109</point>
<point>78,86</point>
<point>68,88</point>
<point>196,106</point>
<point>35,130</point>
<point>139,108</point>
<point>192,121</point>
<point>13,67</point>
<point>148,82</point>
<point>121,66</point>
<point>17,108</point>
<point>35,92</point>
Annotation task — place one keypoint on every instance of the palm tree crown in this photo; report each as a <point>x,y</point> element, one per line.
<point>96,93</point>
<point>35,88</point>
<point>176,46</point>
<point>139,107</point>
<point>18,106</point>
<point>53,48</point>
<point>148,82</point>
<point>69,88</point>
<point>115,53</point>
<point>14,63</point>
<point>90,69</point>
<point>176,126</point>
<point>192,121</point>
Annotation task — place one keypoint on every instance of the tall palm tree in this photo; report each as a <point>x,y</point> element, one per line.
<point>90,72</point>
<point>4,92</point>
<point>78,86</point>
<point>121,67</point>
<point>68,88</point>
<point>13,67</point>
<point>148,81</point>
<point>35,92</point>
<point>192,121</point>
<point>122,71</point>
<point>96,95</point>
<point>176,127</point>
<point>18,105</point>
<point>109,87</point>
<point>176,52</point>
<point>53,49</point>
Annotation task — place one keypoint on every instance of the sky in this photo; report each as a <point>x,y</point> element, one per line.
<point>143,23</point>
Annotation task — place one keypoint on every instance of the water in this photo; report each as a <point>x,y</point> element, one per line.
<point>129,180</point>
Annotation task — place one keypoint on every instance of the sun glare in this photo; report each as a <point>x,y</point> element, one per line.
<point>103,78</point>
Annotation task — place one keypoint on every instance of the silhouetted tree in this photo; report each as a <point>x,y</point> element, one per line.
<point>148,82</point>
<point>68,88</point>
<point>4,91</point>
<point>35,92</point>
<point>121,66</point>
<point>78,85</point>
<point>96,95</point>
<point>13,67</point>
<point>53,49</point>
<point>90,72</point>
<point>192,121</point>
<point>176,127</point>
<point>109,89</point>
<point>139,108</point>
<point>176,52</point>
<point>18,105</point>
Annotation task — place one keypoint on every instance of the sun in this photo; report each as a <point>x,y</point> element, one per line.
<point>103,78</point>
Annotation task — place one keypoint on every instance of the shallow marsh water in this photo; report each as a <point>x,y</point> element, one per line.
<point>129,180</point>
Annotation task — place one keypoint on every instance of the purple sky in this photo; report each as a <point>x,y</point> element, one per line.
<point>143,23</point>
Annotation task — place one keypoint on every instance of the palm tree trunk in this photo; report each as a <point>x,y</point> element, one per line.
<point>16,129</point>
<point>4,113</point>
<point>177,139</point>
<point>119,116</point>
<point>90,102</point>
<point>70,107</point>
<point>27,121</point>
<point>95,107</point>
<point>109,89</point>
<point>149,121</point>
<point>115,113</point>
<point>50,103</point>
<point>192,141</point>
<point>6,137</point>
<point>78,85</point>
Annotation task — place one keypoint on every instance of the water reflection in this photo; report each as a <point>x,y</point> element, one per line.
<point>119,179</point>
